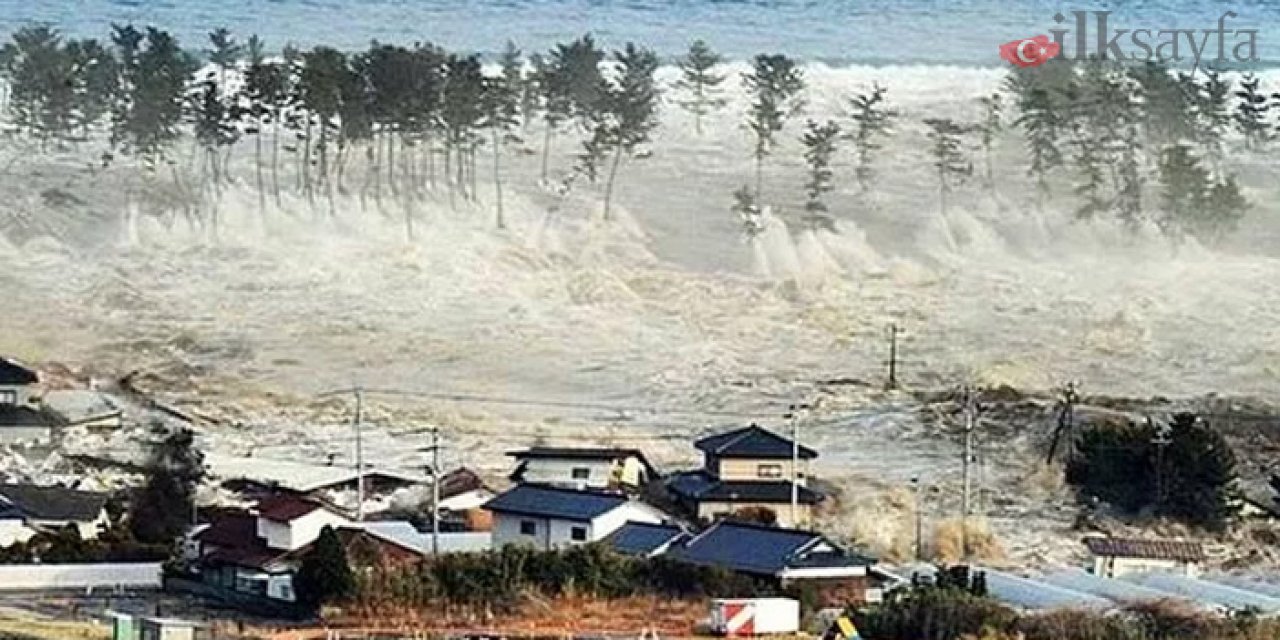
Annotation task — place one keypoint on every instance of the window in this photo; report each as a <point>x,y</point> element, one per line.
<point>528,528</point>
<point>8,396</point>
<point>581,473</point>
<point>578,534</point>
<point>769,470</point>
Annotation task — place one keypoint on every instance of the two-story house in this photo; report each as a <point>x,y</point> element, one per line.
<point>583,467</point>
<point>749,469</point>
<point>548,517</point>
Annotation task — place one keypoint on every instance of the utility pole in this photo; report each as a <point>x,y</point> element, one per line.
<point>1066,419</point>
<point>359,455</point>
<point>892,383</point>
<point>433,471</point>
<point>970,415</point>
<point>915,485</point>
<point>1161,439</point>
<point>795,463</point>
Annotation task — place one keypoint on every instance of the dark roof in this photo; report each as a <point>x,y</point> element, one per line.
<point>552,502</point>
<point>231,530</point>
<point>702,487</point>
<point>751,442</point>
<point>14,372</point>
<point>763,550</point>
<point>54,503</point>
<point>577,453</point>
<point>286,508</point>
<point>1181,550</point>
<point>258,556</point>
<point>643,538</point>
<point>459,481</point>
<point>20,416</point>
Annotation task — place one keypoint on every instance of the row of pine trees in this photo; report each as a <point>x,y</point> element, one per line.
<point>395,123</point>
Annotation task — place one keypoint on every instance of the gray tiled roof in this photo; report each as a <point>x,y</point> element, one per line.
<point>762,550</point>
<point>12,372</point>
<point>53,503</point>
<point>751,442</point>
<point>642,538</point>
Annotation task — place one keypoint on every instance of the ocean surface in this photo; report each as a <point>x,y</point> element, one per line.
<point>964,32</point>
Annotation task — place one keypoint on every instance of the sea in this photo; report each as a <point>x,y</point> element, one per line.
<point>877,32</point>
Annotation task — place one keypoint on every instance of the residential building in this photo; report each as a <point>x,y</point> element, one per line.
<point>17,383</point>
<point>258,478</point>
<point>50,508</point>
<point>463,490</point>
<point>1115,557</point>
<point>749,469</point>
<point>645,539</point>
<point>26,425</point>
<point>583,467</point>
<point>836,575</point>
<point>92,410</point>
<point>549,517</point>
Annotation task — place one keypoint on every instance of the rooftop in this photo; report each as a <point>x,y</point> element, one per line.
<point>14,416</point>
<point>1180,550</point>
<point>577,453</point>
<point>553,502</point>
<point>752,442</point>
<point>406,535</point>
<point>297,476</point>
<point>53,503</point>
<point>13,372</point>
<point>286,508</point>
<point>643,539</point>
<point>764,550</point>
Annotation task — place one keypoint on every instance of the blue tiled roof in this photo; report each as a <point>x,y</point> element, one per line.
<point>751,442</point>
<point>642,538</point>
<point>552,502</point>
<point>761,550</point>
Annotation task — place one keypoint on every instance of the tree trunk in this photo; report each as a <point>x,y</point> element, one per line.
<point>759,179</point>
<point>608,185</point>
<point>497,179</point>
<point>546,149</point>
<point>275,159</point>
<point>257,164</point>
<point>391,164</point>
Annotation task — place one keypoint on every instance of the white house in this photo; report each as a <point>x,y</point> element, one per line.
<point>49,508</point>
<point>583,467</point>
<point>549,517</point>
<point>1115,557</point>
<point>287,523</point>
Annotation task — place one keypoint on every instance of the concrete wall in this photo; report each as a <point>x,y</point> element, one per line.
<point>1112,567</point>
<point>35,577</point>
<point>300,532</point>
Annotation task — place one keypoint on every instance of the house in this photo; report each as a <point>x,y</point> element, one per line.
<point>749,469</point>
<point>259,478</point>
<point>463,490</point>
<point>25,424</point>
<point>787,556</point>
<point>645,539</point>
<point>17,383</point>
<point>549,517</point>
<point>1116,557</point>
<point>52,508</point>
<point>583,467</point>
<point>256,552</point>
<point>92,410</point>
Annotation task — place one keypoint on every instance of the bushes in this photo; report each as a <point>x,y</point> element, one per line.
<point>498,578</point>
<point>928,612</point>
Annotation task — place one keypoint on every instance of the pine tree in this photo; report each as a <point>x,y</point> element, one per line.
<point>872,120</point>
<point>320,90</point>
<point>774,85</point>
<point>626,115</point>
<point>1251,113</point>
<point>1130,179</point>
<point>1200,480</point>
<point>1041,117</point>
<point>42,80</point>
<point>748,212</point>
<point>502,115</point>
<point>820,145</point>
<point>162,508</point>
<point>700,83</point>
<point>949,156</point>
<point>461,111</point>
<point>155,71</point>
<point>1168,108</point>
<point>325,574</point>
<point>1183,182</point>
<point>990,127</point>
<point>1213,113</point>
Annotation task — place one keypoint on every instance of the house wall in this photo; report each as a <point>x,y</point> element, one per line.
<point>22,393</point>
<point>552,533</point>
<point>601,473</point>
<point>466,501</point>
<point>300,532</point>
<point>1114,567</point>
<point>280,587</point>
<point>750,469</point>
<point>804,512</point>
<point>17,435</point>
